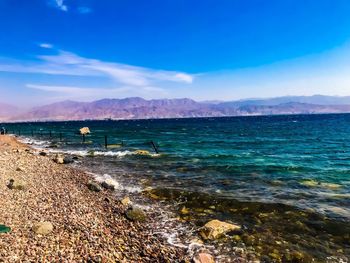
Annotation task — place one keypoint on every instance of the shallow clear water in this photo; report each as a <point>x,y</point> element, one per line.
<point>302,161</point>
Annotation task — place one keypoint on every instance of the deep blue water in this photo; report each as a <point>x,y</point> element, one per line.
<point>285,179</point>
<point>301,160</point>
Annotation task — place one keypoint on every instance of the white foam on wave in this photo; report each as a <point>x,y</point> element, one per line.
<point>84,153</point>
<point>118,186</point>
<point>38,144</point>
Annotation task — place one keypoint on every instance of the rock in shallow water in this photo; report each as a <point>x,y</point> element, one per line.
<point>42,228</point>
<point>135,214</point>
<point>215,229</point>
<point>109,184</point>
<point>94,187</point>
<point>68,159</point>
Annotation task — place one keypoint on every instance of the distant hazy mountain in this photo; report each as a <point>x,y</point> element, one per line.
<point>129,108</point>
<point>315,99</point>
<point>138,108</point>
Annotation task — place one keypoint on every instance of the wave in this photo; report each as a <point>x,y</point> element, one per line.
<point>117,185</point>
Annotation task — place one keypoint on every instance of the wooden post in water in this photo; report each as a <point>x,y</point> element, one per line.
<point>60,136</point>
<point>154,147</point>
<point>32,133</point>
<point>50,134</point>
<point>83,138</point>
<point>106,142</point>
<point>19,132</point>
<point>41,132</point>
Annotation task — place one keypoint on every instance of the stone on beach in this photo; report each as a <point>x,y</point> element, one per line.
<point>68,159</point>
<point>94,187</point>
<point>87,227</point>
<point>125,201</point>
<point>135,214</point>
<point>19,169</point>
<point>42,228</point>
<point>215,229</point>
<point>109,184</point>
<point>59,158</point>
<point>203,258</point>
<point>16,185</point>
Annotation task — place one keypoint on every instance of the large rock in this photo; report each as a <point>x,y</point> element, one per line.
<point>42,228</point>
<point>203,258</point>
<point>109,184</point>
<point>16,185</point>
<point>68,159</point>
<point>215,229</point>
<point>94,187</point>
<point>135,214</point>
<point>84,130</point>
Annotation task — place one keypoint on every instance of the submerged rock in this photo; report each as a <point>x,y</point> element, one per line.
<point>16,185</point>
<point>42,153</point>
<point>42,228</point>
<point>203,258</point>
<point>135,214</point>
<point>94,187</point>
<point>215,229</point>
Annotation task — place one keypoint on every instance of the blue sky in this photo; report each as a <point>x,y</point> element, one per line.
<point>53,50</point>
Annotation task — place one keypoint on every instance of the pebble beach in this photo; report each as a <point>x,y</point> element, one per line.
<point>55,217</point>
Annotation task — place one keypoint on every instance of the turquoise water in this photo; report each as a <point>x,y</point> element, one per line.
<point>292,163</point>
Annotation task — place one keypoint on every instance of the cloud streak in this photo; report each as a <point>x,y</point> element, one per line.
<point>52,76</point>
<point>46,45</point>
<point>67,63</point>
<point>60,5</point>
<point>122,73</point>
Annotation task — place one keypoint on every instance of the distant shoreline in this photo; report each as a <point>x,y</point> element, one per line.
<point>172,118</point>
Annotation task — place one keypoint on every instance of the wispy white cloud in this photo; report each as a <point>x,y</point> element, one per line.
<point>67,63</point>
<point>45,45</point>
<point>59,4</point>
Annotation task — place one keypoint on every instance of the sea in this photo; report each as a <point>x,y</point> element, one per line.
<point>285,179</point>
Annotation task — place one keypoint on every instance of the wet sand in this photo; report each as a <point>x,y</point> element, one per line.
<point>87,226</point>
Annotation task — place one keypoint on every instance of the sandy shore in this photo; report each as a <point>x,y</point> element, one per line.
<point>87,226</point>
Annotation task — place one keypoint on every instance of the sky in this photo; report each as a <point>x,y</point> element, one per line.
<point>53,50</point>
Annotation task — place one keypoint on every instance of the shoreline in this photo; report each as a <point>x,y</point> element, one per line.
<point>87,225</point>
<point>273,231</point>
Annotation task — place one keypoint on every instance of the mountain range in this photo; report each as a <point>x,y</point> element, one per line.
<point>138,108</point>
